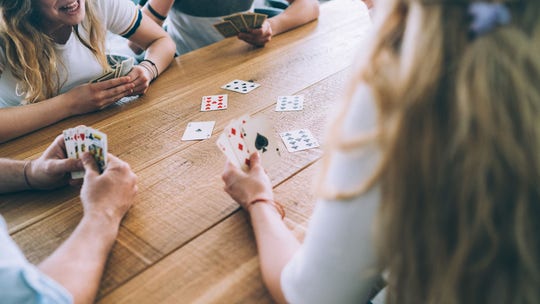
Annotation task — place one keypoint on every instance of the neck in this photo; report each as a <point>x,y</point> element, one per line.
<point>61,35</point>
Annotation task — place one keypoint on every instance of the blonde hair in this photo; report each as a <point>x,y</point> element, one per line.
<point>459,131</point>
<point>30,54</point>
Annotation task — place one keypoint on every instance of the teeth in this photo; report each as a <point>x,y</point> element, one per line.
<point>71,6</point>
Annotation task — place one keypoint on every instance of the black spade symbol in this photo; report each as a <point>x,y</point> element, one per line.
<point>261,142</point>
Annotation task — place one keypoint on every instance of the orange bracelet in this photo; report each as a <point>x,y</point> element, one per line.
<point>277,205</point>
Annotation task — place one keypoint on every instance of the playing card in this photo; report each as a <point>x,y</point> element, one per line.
<point>259,20</point>
<point>197,130</point>
<point>290,103</point>
<point>238,22</point>
<point>214,102</point>
<point>105,76</point>
<point>249,18</point>
<point>225,147</point>
<point>96,143</point>
<point>259,136</point>
<point>235,136</point>
<point>241,86</point>
<point>125,67</point>
<point>298,140</point>
<point>72,149</point>
<point>226,28</point>
<point>70,143</point>
<point>81,139</point>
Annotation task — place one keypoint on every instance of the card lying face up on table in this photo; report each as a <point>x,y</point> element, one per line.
<point>245,135</point>
<point>85,139</point>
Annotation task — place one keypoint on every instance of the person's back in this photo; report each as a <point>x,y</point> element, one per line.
<point>459,112</point>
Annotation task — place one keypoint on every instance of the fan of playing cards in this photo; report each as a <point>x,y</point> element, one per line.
<point>246,135</point>
<point>82,139</point>
<point>239,22</point>
<point>118,70</point>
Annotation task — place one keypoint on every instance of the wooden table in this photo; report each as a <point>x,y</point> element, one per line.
<point>185,240</point>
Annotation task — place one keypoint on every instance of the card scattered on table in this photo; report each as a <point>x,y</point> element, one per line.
<point>239,22</point>
<point>298,140</point>
<point>85,139</point>
<point>118,70</point>
<point>214,102</point>
<point>290,103</point>
<point>245,135</point>
<point>241,86</point>
<point>197,130</point>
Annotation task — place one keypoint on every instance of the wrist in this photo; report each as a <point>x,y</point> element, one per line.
<point>27,167</point>
<point>267,203</point>
<point>103,221</point>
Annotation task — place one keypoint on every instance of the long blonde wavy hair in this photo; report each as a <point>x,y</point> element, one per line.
<point>459,130</point>
<point>30,53</point>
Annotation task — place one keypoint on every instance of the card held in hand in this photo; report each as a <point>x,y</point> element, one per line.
<point>259,136</point>
<point>245,135</point>
<point>85,139</point>
<point>226,28</point>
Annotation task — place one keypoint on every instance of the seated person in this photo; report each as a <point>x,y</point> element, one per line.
<point>72,273</point>
<point>49,53</point>
<point>432,168</point>
<point>190,22</point>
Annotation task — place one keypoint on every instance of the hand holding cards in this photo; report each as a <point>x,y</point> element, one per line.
<point>118,70</point>
<point>246,135</point>
<point>85,139</point>
<point>239,22</point>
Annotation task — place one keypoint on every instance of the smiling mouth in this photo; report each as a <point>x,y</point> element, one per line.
<point>73,6</point>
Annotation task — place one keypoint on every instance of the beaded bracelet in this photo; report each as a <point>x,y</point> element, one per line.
<point>277,205</point>
<point>154,12</point>
<point>26,164</point>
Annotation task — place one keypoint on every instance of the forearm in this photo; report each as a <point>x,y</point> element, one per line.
<point>17,121</point>
<point>160,52</point>
<point>12,176</point>
<point>298,13</point>
<point>79,262</point>
<point>276,245</point>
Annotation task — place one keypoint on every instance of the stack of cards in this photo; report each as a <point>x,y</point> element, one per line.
<point>82,139</point>
<point>246,135</point>
<point>118,70</point>
<point>239,22</point>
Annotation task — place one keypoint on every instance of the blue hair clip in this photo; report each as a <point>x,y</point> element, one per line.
<point>487,16</point>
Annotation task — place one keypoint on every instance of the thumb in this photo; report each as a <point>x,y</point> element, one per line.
<point>254,160</point>
<point>65,165</point>
<point>90,165</point>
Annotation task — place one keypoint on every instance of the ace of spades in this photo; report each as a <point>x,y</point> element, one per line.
<point>259,136</point>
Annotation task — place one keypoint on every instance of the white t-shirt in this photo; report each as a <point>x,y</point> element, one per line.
<point>336,263</point>
<point>78,64</point>
<point>191,32</point>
